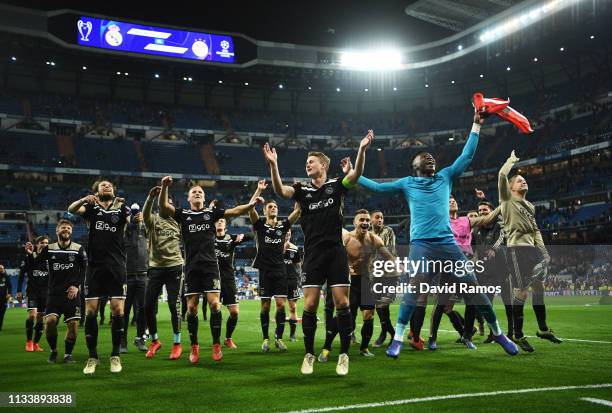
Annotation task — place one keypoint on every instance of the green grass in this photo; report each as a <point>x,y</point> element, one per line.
<point>247,380</point>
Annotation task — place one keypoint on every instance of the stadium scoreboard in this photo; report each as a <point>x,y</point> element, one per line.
<point>136,38</point>
<point>102,34</point>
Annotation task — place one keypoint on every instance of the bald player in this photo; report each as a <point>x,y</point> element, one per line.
<point>202,274</point>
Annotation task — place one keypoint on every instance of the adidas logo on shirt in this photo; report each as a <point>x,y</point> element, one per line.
<point>308,196</point>
<point>188,219</point>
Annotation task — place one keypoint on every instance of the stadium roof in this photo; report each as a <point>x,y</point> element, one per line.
<point>457,15</point>
<point>338,23</point>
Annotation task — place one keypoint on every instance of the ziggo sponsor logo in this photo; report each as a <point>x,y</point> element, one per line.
<point>103,226</point>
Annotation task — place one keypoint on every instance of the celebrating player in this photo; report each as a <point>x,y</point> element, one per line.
<point>107,217</point>
<point>36,291</point>
<point>325,260</point>
<point>382,307</point>
<point>362,247</point>
<point>5,292</point>
<point>225,245</point>
<point>431,237</point>
<point>489,244</point>
<point>526,254</point>
<point>66,261</point>
<point>270,236</point>
<point>292,256</point>
<point>201,266</point>
<point>165,268</point>
<point>137,264</point>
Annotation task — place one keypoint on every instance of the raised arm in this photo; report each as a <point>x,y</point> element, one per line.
<point>241,238</point>
<point>284,191</point>
<point>242,209</point>
<point>385,187</point>
<point>354,173</point>
<point>485,220</point>
<point>148,206</point>
<point>261,186</point>
<point>166,209</point>
<point>295,214</point>
<point>78,206</point>
<point>504,186</point>
<point>464,160</point>
<point>23,269</point>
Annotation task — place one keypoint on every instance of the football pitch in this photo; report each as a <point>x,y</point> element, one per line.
<point>556,377</point>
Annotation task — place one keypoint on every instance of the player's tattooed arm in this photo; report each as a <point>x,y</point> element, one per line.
<point>391,246</point>
<point>166,209</point>
<point>295,214</point>
<point>78,206</point>
<point>284,191</point>
<point>381,249</point>
<point>243,209</point>
<point>353,174</point>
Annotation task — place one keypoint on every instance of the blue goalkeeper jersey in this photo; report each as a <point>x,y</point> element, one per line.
<point>428,197</point>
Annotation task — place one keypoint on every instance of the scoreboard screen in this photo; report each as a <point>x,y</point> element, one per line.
<point>136,38</point>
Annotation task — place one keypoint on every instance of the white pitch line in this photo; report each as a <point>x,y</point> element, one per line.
<point>561,338</point>
<point>597,401</point>
<point>579,340</point>
<point>449,397</point>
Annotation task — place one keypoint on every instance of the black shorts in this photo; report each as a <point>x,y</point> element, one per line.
<point>228,292</point>
<point>197,282</point>
<point>37,300</point>
<point>522,262</point>
<point>108,282</point>
<point>171,277</point>
<point>361,294</point>
<point>59,305</point>
<point>293,290</point>
<point>327,263</point>
<point>272,283</point>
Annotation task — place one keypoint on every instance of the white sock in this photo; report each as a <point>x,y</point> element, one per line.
<point>399,331</point>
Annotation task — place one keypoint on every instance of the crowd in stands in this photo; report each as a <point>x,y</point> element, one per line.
<point>100,113</point>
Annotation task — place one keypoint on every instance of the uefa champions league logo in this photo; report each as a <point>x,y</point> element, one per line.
<point>84,29</point>
<point>224,52</point>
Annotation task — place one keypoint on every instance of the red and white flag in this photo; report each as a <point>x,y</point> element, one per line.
<point>517,118</point>
<point>500,108</point>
